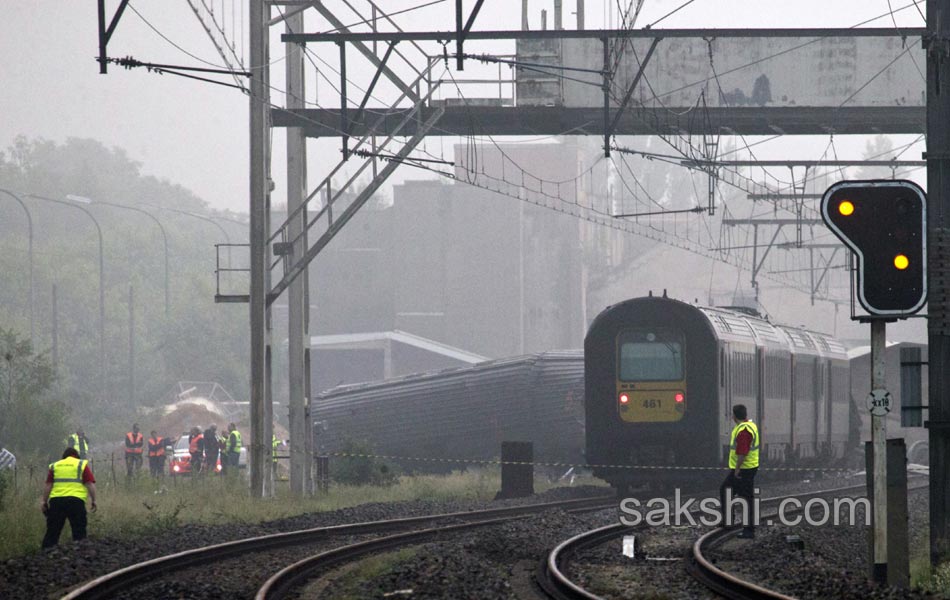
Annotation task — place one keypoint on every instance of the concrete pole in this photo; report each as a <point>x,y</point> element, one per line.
<point>558,15</point>
<point>879,444</point>
<point>269,480</point>
<point>300,468</point>
<point>938,240</point>
<point>131,347</point>
<point>524,15</point>
<point>259,462</point>
<point>580,14</point>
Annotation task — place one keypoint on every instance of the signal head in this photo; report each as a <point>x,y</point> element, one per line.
<point>883,222</point>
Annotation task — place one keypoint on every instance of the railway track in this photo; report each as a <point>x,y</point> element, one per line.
<point>556,584</point>
<point>110,584</point>
<point>283,583</point>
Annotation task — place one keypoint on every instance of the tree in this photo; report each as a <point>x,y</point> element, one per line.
<point>27,400</point>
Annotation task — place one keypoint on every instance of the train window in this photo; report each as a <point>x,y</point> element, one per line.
<point>651,355</point>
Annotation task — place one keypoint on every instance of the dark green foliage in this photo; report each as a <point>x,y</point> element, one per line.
<point>32,419</point>
<point>198,340</point>
<point>356,470</point>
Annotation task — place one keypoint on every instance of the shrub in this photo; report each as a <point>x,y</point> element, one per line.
<point>357,470</point>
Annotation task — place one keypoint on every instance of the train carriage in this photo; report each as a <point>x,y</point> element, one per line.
<point>662,376</point>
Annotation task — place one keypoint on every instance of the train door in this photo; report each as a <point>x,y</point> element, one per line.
<point>725,399</point>
<point>759,387</point>
<point>819,395</point>
<point>793,413</point>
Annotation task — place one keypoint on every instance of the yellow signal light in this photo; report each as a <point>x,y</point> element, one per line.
<point>901,262</point>
<point>846,208</point>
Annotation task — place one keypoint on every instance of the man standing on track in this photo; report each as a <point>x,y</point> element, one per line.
<point>134,443</point>
<point>68,484</point>
<point>743,465</point>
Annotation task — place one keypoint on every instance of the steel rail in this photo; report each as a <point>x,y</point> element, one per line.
<point>284,582</point>
<point>556,584</point>
<point>719,580</point>
<point>107,585</point>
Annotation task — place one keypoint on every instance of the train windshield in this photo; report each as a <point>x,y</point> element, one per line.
<point>651,355</point>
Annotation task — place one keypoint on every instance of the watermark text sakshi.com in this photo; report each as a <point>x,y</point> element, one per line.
<point>678,512</point>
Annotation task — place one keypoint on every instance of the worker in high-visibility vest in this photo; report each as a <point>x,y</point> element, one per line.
<point>275,444</point>
<point>80,442</point>
<point>156,454</point>
<point>744,443</point>
<point>134,444</point>
<point>232,448</point>
<point>69,483</point>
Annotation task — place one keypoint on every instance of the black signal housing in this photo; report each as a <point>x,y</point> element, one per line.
<point>884,222</point>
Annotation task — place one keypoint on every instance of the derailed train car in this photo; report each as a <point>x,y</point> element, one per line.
<point>463,413</point>
<point>662,377</point>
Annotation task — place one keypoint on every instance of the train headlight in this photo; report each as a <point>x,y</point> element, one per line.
<point>679,397</point>
<point>624,398</point>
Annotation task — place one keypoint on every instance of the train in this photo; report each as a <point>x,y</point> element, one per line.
<point>661,378</point>
<point>460,416</point>
<point>654,386</point>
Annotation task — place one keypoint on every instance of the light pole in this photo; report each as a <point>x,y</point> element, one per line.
<point>150,216</point>
<point>224,232</point>
<point>102,289</point>
<point>29,225</point>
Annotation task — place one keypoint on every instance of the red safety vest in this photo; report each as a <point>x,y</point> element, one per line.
<point>156,446</point>
<point>133,440</point>
<point>193,444</point>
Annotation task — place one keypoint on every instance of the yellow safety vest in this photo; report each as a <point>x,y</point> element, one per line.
<point>80,447</point>
<point>237,441</point>
<point>752,459</point>
<point>67,478</point>
<point>274,444</point>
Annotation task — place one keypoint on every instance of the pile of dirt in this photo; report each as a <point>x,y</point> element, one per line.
<point>184,417</point>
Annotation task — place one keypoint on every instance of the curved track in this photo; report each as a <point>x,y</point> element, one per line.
<point>109,584</point>
<point>556,584</point>
<point>283,583</point>
<point>722,582</point>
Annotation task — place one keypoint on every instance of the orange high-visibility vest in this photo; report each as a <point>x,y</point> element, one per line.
<point>193,444</point>
<point>134,440</point>
<point>156,446</point>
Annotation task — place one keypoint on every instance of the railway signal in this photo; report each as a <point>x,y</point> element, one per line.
<point>884,222</point>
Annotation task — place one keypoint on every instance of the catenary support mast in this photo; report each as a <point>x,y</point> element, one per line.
<point>259,190</point>
<point>297,338</point>
<point>937,42</point>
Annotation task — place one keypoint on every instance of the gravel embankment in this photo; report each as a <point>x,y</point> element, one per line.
<point>497,562</point>
<point>501,562</point>
<point>48,574</point>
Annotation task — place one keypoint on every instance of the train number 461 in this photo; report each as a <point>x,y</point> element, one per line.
<point>651,403</point>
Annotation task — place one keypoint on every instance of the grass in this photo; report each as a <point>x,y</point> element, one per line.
<point>145,508</point>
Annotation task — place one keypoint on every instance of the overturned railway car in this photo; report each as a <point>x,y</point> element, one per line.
<point>463,413</point>
<point>662,377</point>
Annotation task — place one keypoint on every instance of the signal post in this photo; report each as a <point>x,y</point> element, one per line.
<point>884,224</point>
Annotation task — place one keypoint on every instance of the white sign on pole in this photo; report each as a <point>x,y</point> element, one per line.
<point>879,402</point>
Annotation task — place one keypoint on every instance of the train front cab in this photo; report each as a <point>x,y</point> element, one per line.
<point>650,378</point>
